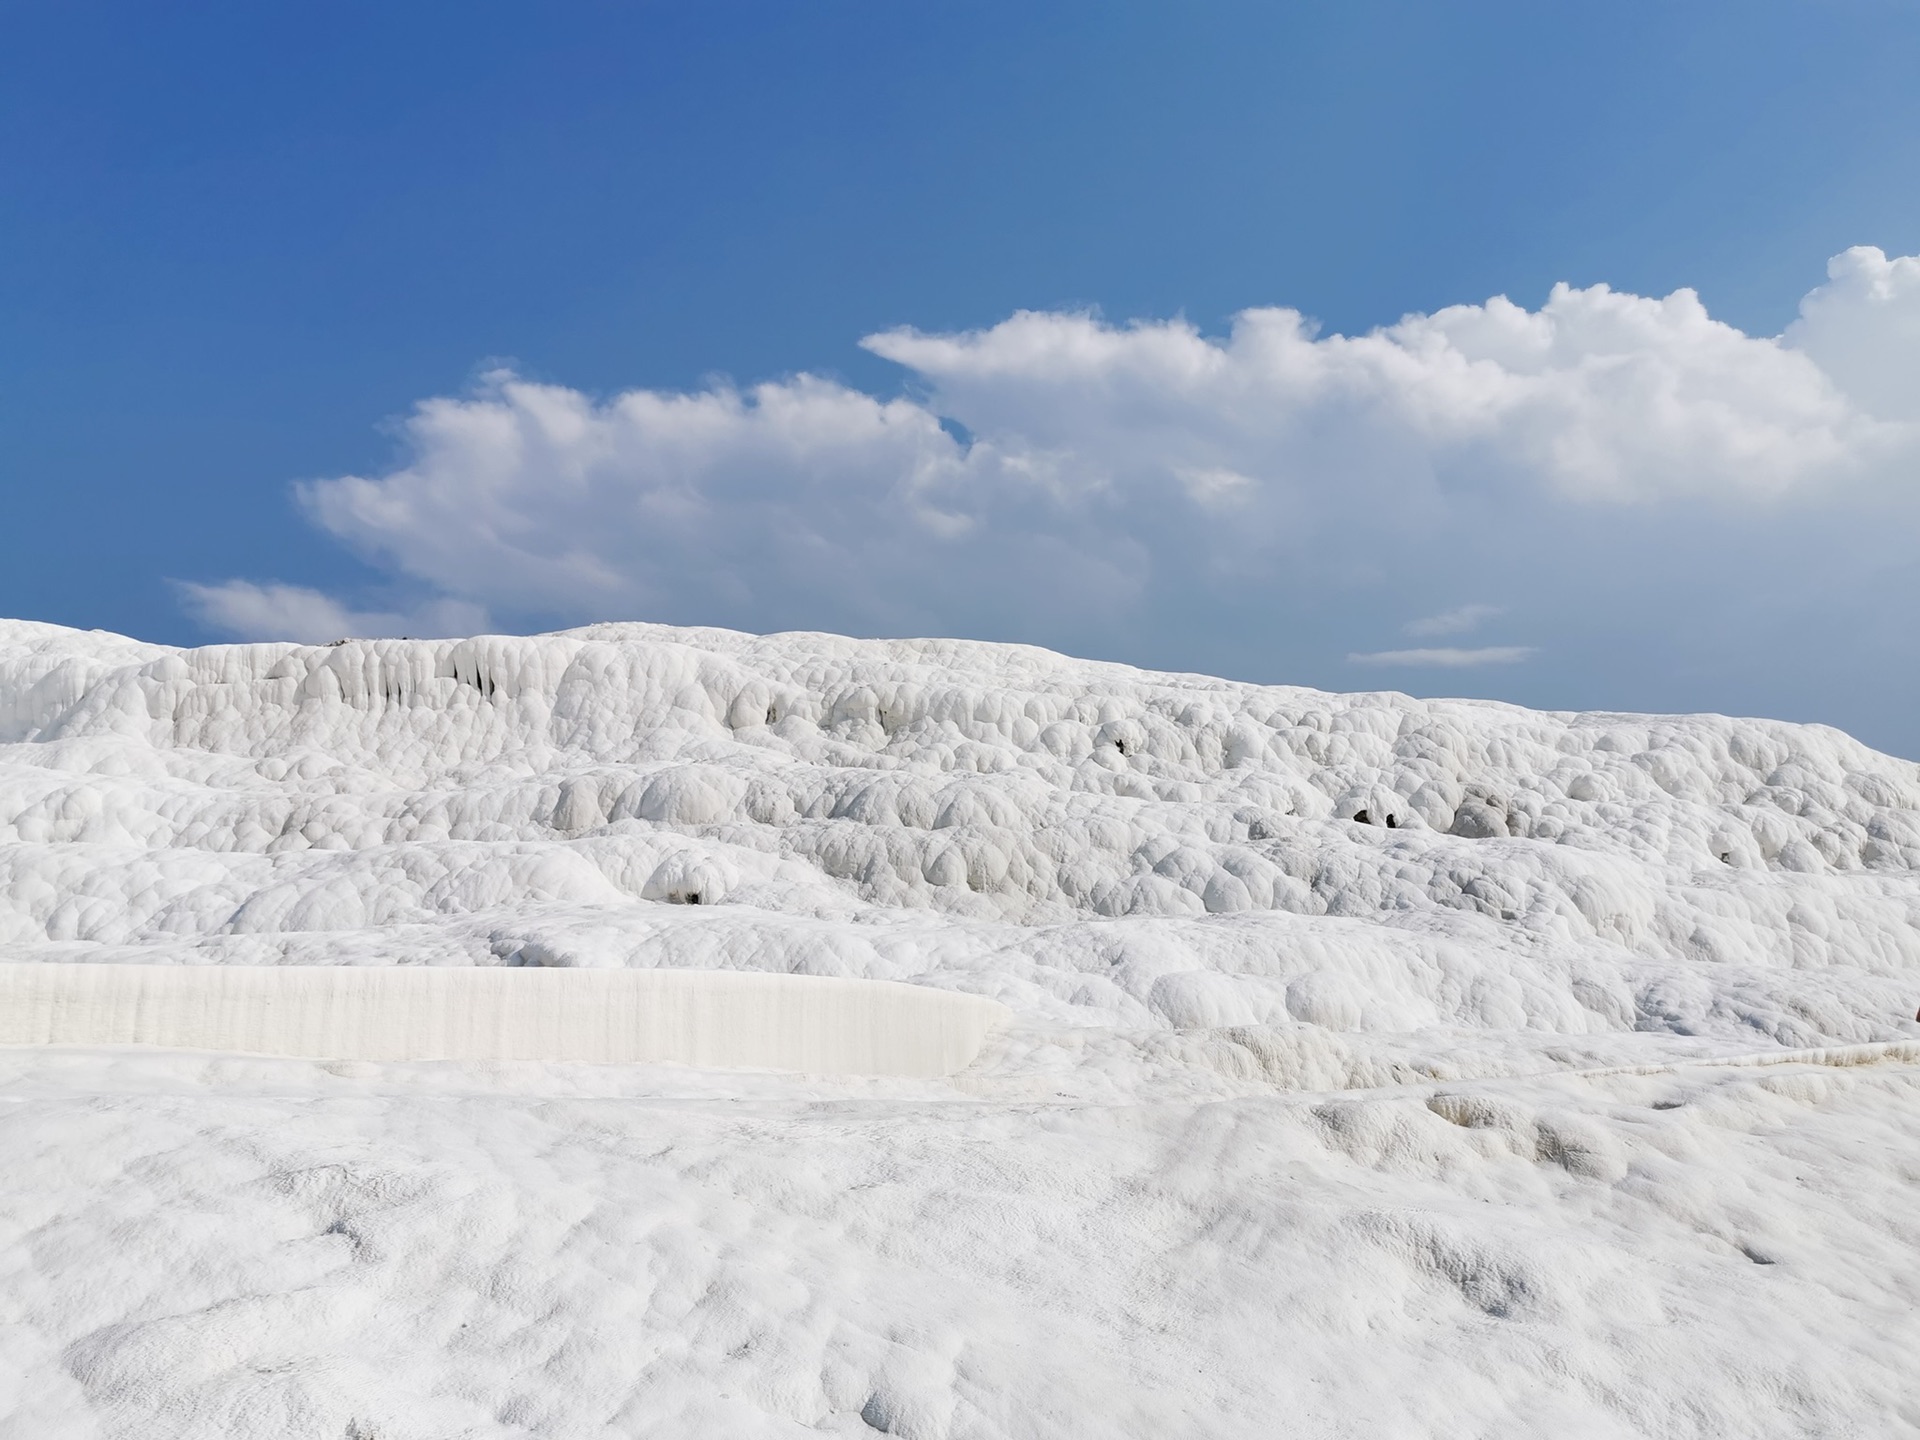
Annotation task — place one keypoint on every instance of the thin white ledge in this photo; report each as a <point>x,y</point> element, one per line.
<point>718,1018</point>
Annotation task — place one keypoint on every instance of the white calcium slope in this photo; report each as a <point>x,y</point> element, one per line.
<point>1299,1115</point>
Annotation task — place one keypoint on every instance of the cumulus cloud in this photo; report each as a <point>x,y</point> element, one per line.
<point>535,498</point>
<point>1862,328</point>
<point>1447,657</point>
<point>292,612</point>
<point>1246,501</point>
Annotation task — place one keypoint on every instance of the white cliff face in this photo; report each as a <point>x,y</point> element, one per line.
<point>1367,948</point>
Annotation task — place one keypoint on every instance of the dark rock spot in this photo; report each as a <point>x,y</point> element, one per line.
<point>877,1414</point>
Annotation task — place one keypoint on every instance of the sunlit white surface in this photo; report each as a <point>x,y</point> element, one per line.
<point>1447,1126</point>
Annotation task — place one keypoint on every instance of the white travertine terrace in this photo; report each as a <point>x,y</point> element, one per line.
<point>1369,1061</point>
<point>814,1024</point>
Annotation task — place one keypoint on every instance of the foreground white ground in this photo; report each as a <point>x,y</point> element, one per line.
<point>1305,1124</point>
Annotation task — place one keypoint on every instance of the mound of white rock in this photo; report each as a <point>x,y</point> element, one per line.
<point>1375,1066</point>
<point>1164,875</point>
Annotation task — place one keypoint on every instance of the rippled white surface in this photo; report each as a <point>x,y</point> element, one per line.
<point>1296,1116</point>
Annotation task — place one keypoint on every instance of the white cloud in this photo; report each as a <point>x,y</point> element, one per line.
<point>292,612</point>
<point>1862,328</point>
<point>528,497</point>
<point>1150,491</point>
<point>1448,658</point>
<point>1114,445</point>
<point>1598,395</point>
<point>1457,621</point>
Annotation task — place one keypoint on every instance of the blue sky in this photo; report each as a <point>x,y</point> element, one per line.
<point>240,244</point>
